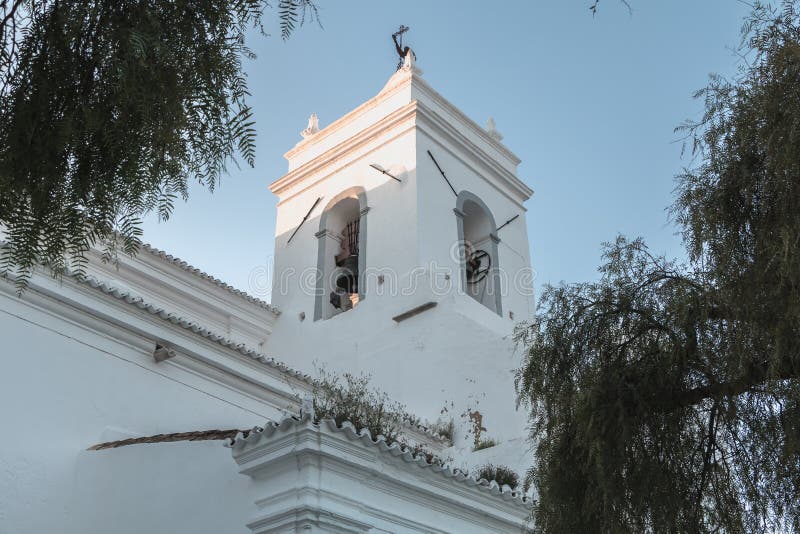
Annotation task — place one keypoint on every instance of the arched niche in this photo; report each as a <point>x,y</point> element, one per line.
<point>341,253</point>
<point>477,252</point>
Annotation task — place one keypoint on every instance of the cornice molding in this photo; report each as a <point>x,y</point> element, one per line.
<point>335,153</point>
<point>465,120</point>
<point>399,81</point>
<point>387,92</point>
<point>285,460</point>
<point>432,124</point>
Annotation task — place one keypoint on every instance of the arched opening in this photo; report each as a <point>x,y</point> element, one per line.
<point>341,254</point>
<point>478,251</point>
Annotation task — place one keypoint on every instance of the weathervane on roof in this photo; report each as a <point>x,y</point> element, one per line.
<point>397,37</point>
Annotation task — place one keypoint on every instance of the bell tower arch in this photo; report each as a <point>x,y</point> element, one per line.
<point>479,270</point>
<point>341,253</point>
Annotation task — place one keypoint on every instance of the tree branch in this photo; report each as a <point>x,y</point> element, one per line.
<point>744,384</point>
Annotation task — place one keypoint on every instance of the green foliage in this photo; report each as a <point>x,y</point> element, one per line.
<point>351,398</point>
<point>109,108</point>
<point>486,443</point>
<point>292,13</point>
<point>445,429</point>
<point>499,473</point>
<point>666,397</point>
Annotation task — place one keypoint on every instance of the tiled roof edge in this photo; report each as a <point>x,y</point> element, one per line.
<point>190,325</point>
<point>209,278</point>
<point>395,449</point>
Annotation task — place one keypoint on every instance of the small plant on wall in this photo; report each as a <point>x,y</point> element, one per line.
<point>484,444</point>
<point>501,474</point>
<point>350,398</point>
<point>445,429</point>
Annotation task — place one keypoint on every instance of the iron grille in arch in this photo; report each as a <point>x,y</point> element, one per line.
<point>351,234</point>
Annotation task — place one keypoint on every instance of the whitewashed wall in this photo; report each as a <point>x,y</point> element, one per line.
<point>70,381</point>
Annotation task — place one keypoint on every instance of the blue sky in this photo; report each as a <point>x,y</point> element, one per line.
<point>588,104</point>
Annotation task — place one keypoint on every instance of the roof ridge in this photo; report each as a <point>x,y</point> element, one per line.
<point>140,303</point>
<point>186,266</point>
<point>395,448</point>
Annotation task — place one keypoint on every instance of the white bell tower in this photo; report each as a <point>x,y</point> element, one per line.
<point>401,251</point>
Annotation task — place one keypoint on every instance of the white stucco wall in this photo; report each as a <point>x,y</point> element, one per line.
<point>67,385</point>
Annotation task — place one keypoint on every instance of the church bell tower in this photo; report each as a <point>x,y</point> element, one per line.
<point>401,251</point>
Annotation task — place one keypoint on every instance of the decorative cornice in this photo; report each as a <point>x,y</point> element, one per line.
<point>245,448</point>
<point>355,141</point>
<point>463,117</point>
<point>444,128</point>
<point>419,114</point>
<point>402,79</point>
<point>387,92</point>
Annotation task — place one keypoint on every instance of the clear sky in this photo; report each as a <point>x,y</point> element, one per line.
<point>588,104</point>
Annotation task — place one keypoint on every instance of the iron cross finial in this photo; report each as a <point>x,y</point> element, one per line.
<point>397,37</point>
